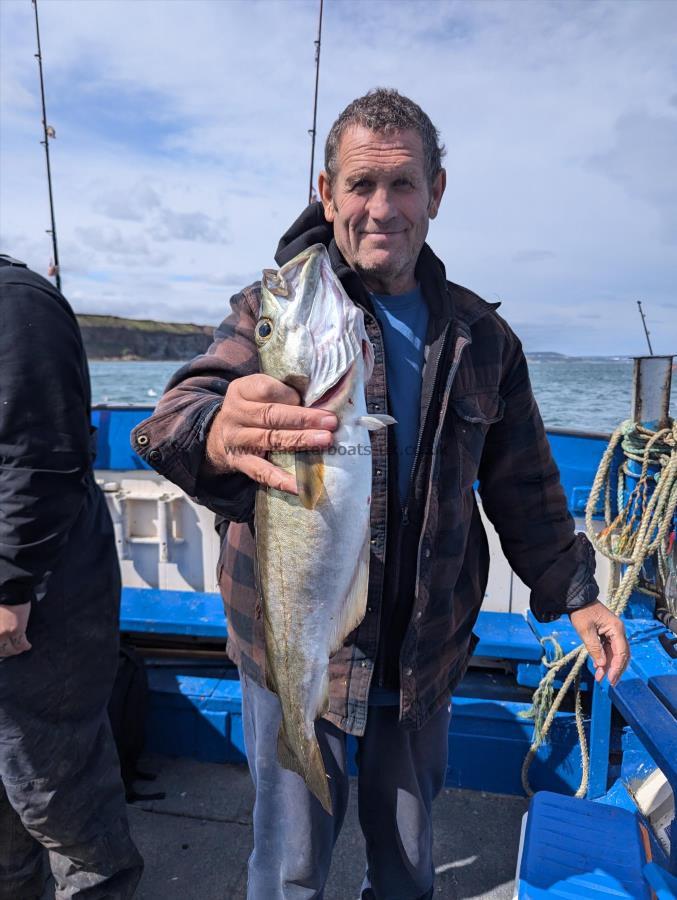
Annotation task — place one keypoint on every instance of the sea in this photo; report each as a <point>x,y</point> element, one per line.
<point>588,393</point>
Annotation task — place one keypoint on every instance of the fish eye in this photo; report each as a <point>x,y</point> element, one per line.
<point>264,329</point>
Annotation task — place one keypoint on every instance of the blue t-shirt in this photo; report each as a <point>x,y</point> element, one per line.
<point>404,322</point>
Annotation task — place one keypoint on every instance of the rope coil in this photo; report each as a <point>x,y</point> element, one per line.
<point>640,530</point>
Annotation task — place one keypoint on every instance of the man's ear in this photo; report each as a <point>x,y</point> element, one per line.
<point>326,196</point>
<point>437,192</point>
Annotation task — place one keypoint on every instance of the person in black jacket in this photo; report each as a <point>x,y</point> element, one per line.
<point>60,784</point>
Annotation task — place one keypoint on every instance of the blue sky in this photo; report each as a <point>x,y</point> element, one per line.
<point>182,149</point>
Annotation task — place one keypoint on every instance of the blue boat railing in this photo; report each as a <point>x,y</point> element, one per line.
<point>576,452</point>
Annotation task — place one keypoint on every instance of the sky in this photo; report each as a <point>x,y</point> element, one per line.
<point>182,149</point>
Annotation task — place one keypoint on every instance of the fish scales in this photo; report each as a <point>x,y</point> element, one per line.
<point>313,549</point>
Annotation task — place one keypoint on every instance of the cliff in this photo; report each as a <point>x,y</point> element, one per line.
<point>112,337</point>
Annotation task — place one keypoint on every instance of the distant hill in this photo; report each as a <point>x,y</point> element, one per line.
<point>113,337</point>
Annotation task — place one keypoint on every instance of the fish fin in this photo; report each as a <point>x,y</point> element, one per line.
<point>374,422</point>
<point>311,769</point>
<point>355,604</point>
<point>286,756</point>
<point>309,477</point>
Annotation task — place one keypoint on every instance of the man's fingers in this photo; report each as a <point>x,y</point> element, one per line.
<point>260,414</point>
<point>13,624</point>
<point>268,403</point>
<point>12,645</point>
<point>618,665</point>
<point>594,646</point>
<point>264,389</point>
<point>603,634</point>
<point>283,416</point>
<point>262,440</point>
<point>618,652</point>
<point>20,643</point>
<point>267,474</point>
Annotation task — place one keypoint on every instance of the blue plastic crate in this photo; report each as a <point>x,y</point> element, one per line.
<point>581,849</point>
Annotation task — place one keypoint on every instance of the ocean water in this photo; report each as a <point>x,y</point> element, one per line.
<point>572,392</point>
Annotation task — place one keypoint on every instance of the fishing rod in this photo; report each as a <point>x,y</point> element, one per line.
<point>646,330</point>
<point>48,132</point>
<point>313,131</point>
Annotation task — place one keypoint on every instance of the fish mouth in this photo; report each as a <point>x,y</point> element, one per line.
<point>334,397</point>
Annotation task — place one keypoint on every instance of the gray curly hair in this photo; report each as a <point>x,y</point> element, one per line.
<point>385,110</point>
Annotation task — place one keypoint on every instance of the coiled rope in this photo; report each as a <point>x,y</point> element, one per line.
<point>639,530</point>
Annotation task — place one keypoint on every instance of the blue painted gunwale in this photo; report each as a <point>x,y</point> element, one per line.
<point>577,453</point>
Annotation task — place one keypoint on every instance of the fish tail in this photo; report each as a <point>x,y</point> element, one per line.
<point>309,765</point>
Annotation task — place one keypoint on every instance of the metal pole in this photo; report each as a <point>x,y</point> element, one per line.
<point>313,131</point>
<point>646,330</point>
<point>651,387</point>
<point>45,143</point>
<point>652,378</point>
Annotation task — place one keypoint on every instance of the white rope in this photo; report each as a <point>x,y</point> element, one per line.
<point>639,530</point>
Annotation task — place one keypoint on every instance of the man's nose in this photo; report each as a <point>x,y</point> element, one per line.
<point>381,205</point>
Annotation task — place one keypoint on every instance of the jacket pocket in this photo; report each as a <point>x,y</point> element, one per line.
<point>473,415</point>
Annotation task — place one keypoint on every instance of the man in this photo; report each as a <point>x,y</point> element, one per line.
<point>458,385</point>
<point>60,785</point>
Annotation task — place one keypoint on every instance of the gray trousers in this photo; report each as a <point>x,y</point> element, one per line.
<point>60,785</point>
<point>400,773</point>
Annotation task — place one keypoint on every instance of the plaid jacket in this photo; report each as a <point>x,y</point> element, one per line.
<point>479,420</point>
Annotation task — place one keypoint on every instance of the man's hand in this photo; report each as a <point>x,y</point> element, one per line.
<point>603,634</point>
<point>260,414</point>
<point>13,624</point>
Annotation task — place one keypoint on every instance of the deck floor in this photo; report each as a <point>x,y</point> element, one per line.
<point>196,841</point>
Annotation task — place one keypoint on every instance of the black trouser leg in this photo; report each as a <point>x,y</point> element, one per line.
<point>22,858</point>
<point>58,760</point>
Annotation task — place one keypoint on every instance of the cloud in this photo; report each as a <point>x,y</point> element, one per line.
<point>194,226</point>
<point>642,161</point>
<point>533,256</point>
<point>183,149</point>
<point>118,247</point>
<point>143,203</point>
<point>109,239</point>
<point>132,205</point>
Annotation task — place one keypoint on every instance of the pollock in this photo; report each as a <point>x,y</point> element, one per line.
<point>313,549</point>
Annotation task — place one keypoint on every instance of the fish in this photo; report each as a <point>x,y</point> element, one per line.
<point>313,549</point>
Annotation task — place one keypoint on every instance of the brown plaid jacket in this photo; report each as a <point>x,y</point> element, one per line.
<point>479,420</point>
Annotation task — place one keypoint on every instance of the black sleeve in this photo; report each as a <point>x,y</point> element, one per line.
<point>174,438</point>
<point>44,430</point>
<point>523,497</point>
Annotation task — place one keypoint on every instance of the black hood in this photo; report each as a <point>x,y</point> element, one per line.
<point>310,228</point>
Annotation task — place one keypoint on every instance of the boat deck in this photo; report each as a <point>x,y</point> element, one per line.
<point>197,840</point>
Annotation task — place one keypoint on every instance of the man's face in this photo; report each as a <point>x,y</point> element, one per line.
<point>380,203</point>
